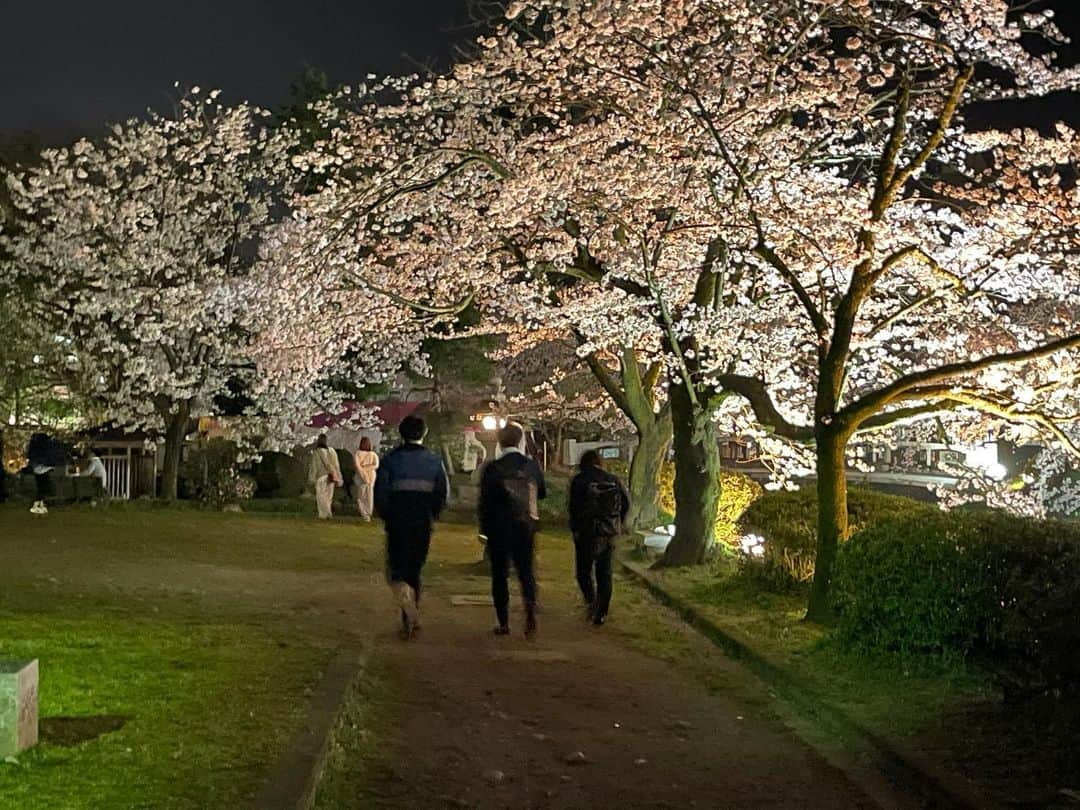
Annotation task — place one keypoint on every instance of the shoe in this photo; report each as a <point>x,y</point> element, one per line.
<point>530,624</point>
<point>502,630</point>
<point>589,609</point>
<point>598,621</point>
<point>414,631</point>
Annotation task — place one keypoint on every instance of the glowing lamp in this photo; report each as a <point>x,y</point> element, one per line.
<point>490,422</point>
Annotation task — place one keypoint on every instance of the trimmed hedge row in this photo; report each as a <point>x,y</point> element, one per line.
<point>787,522</point>
<point>1001,590</point>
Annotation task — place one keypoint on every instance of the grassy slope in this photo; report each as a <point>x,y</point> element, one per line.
<point>171,626</point>
<point>869,688</point>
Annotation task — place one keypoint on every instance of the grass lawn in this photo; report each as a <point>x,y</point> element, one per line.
<point>177,648</point>
<point>869,688</point>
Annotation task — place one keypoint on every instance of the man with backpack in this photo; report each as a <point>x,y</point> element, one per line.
<point>599,504</point>
<point>411,490</point>
<point>510,488</point>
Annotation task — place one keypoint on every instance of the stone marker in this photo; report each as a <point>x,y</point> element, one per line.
<point>18,706</point>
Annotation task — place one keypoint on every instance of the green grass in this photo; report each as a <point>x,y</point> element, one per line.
<point>177,649</point>
<point>355,749</point>
<point>870,688</point>
<point>201,708</point>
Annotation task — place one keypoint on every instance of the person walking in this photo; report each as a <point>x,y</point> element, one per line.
<point>411,490</point>
<point>325,474</point>
<point>598,507</point>
<point>40,456</point>
<point>367,465</point>
<point>510,488</point>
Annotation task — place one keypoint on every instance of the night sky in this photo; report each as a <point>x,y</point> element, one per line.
<point>69,66</point>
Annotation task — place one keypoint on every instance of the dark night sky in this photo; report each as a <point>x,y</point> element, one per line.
<point>69,66</point>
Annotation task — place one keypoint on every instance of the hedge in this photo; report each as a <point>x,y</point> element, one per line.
<point>1000,590</point>
<point>787,522</point>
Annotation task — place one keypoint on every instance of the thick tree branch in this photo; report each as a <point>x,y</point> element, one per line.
<point>756,393</point>
<point>862,409</point>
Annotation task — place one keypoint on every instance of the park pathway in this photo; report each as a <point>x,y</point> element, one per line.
<point>577,719</point>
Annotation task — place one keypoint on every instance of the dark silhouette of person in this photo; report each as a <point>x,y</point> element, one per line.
<point>510,488</point>
<point>411,490</point>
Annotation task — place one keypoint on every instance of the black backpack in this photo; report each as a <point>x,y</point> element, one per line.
<point>603,507</point>
<point>520,493</point>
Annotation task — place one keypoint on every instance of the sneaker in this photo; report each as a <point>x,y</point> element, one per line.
<point>530,624</point>
<point>598,621</point>
<point>502,630</point>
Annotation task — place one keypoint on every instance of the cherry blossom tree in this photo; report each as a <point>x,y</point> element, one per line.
<point>137,249</point>
<point>924,266</point>
<point>414,222</point>
<point>778,205</point>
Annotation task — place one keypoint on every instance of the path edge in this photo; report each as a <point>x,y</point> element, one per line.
<point>295,777</point>
<point>936,786</point>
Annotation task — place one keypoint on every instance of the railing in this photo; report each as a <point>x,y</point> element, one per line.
<point>118,476</point>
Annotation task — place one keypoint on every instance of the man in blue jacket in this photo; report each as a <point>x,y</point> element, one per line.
<point>411,489</point>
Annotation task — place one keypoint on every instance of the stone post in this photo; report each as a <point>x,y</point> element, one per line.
<point>18,706</point>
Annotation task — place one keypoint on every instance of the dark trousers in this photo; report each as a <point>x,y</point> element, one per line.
<point>407,543</point>
<point>44,485</point>
<point>515,544</point>
<point>593,556</point>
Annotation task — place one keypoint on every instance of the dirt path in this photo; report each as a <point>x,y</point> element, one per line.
<point>576,719</point>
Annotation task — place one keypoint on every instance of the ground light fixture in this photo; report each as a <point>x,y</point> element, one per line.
<point>752,545</point>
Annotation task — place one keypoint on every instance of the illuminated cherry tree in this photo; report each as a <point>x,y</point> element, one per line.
<point>777,207</point>
<point>137,249</point>
<point>920,265</point>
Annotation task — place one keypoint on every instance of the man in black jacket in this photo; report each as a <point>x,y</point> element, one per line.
<point>510,488</point>
<point>411,490</point>
<point>599,504</point>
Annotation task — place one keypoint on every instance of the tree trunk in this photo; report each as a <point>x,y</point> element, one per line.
<point>560,456</point>
<point>697,482</point>
<point>175,430</point>
<point>653,439</point>
<point>3,470</point>
<point>832,522</point>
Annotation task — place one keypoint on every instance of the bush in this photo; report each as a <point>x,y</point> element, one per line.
<point>279,475</point>
<point>787,523</point>
<point>211,474</point>
<point>737,492</point>
<point>1001,590</point>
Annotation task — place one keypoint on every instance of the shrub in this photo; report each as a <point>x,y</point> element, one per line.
<point>999,589</point>
<point>787,522</point>
<point>737,492</point>
<point>210,474</point>
<point>278,475</point>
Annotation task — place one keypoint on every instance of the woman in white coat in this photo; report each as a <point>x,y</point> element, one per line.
<point>325,474</point>
<point>367,463</point>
